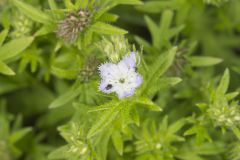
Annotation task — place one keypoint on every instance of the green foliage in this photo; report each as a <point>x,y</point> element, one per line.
<point>52,105</point>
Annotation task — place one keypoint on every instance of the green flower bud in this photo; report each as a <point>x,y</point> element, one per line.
<point>115,47</point>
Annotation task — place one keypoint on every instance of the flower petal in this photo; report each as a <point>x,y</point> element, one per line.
<point>129,60</point>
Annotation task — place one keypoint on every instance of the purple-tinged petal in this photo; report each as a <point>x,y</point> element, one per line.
<point>129,60</point>
<point>106,69</point>
<point>122,94</point>
<point>139,80</point>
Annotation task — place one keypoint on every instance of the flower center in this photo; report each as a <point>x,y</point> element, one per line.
<point>122,80</point>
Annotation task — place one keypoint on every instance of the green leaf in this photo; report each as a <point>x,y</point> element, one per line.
<point>200,132</point>
<point>173,128</point>
<point>102,145</point>
<point>236,131</point>
<point>108,17</point>
<point>147,103</point>
<point>129,115</point>
<point>4,121</point>
<point>69,4</point>
<point>52,4</point>
<point>13,48</point>
<point>146,45</point>
<point>103,28</point>
<point>154,30</point>
<point>104,107</point>
<point>64,73</point>
<point>117,140</point>
<point>224,83</point>
<point>231,95</point>
<point>106,119</point>
<point>59,153</point>
<point>128,2</point>
<point>16,136</point>
<point>4,69</point>
<point>168,81</point>
<point>165,24</point>
<point>32,13</point>
<point>175,31</point>
<point>159,6</point>
<point>162,63</point>
<point>66,97</point>
<point>46,29</point>
<point>3,36</point>
<point>200,61</point>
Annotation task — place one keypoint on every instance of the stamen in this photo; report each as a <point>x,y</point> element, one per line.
<point>121,80</point>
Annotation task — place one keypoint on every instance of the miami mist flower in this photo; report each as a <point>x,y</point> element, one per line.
<point>120,77</point>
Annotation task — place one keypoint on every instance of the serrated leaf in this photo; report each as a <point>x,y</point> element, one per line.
<point>200,61</point>
<point>4,69</point>
<point>33,13</point>
<point>103,28</point>
<point>13,48</point>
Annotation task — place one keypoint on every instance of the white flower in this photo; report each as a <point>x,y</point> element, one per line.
<point>121,78</point>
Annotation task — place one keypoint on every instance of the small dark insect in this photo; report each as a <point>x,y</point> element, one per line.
<point>136,69</point>
<point>109,86</point>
